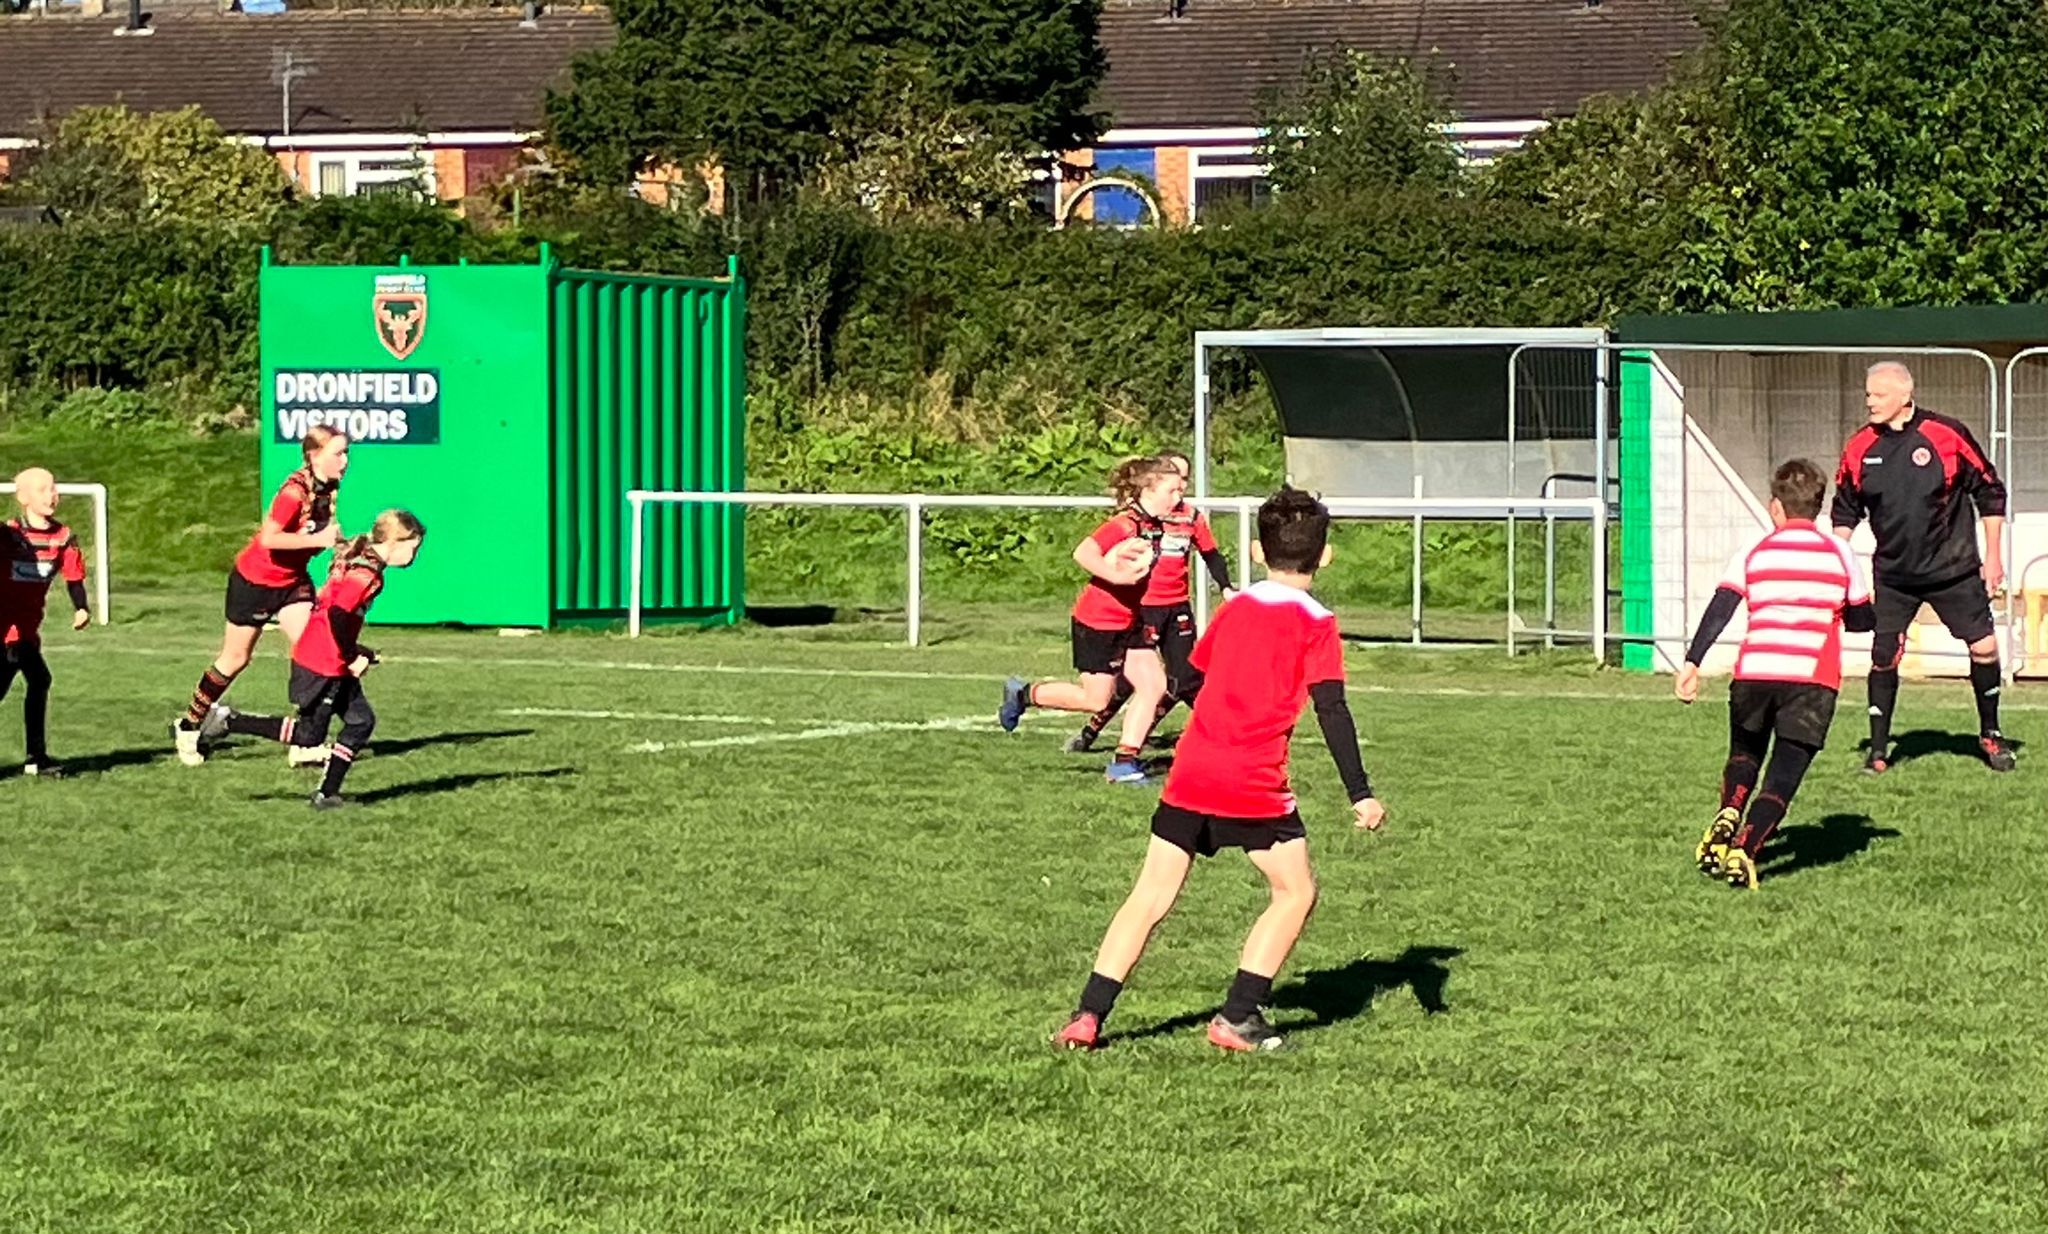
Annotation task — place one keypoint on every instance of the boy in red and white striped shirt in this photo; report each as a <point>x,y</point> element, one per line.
<point>1802,587</point>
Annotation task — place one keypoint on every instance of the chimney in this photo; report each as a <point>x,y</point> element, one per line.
<point>529,15</point>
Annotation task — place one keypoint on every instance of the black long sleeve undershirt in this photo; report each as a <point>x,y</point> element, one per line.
<point>1341,735</point>
<point>1219,566</point>
<point>77,590</point>
<point>1720,611</point>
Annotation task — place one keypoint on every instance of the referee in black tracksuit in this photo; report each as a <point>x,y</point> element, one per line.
<point>1911,472</point>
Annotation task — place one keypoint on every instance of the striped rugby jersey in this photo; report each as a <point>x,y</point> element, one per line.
<point>33,557</point>
<point>1795,582</point>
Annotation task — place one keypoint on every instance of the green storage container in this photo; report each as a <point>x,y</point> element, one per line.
<point>512,408</point>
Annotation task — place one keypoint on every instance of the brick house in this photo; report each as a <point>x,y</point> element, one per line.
<point>1185,77</point>
<point>351,102</point>
<point>447,100</point>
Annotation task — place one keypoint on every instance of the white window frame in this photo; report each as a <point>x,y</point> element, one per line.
<point>1220,171</point>
<point>355,177</point>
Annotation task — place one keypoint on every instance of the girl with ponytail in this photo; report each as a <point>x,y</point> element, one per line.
<point>329,660</point>
<point>1108,639</point>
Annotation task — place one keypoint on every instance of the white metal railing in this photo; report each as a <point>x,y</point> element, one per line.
<point>1591,510</point>
<point>98,493</point>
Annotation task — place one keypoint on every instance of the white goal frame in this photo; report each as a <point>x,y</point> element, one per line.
<point>98,492</point>
<point>1590,510</point>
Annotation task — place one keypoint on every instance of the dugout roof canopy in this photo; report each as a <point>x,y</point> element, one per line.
<point>1376,411</point>
<point>1997,329</point>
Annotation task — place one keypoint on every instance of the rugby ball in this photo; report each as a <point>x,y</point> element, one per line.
<point>1131,560</point>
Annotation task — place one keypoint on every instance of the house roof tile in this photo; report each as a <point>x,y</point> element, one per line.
<point>1504,59</point>
<point>371,71</point>
<point>479,69</point>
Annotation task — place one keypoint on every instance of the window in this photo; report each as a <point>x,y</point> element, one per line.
<point>398,173</point>
<point>1227,178</point>
<point>1115,205</point>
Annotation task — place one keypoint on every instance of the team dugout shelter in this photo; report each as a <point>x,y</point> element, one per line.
<point>511,407</point>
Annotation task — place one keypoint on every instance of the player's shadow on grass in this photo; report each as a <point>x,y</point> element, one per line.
<point>1832,840</point>
<point>112,760</point>
<point>387,749</point>
<point>1334,995</point>
<point>1922,742</point>
<point>438,784</point>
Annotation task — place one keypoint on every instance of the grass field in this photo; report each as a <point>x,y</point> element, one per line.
<point>795,969</point>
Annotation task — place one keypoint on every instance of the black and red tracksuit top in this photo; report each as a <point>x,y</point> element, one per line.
<point>1914,483</point>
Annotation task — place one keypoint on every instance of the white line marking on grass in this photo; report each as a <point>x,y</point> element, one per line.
<point>623,666</point>
<point>852,728</point>
<point>882,674</point>
<point>671,717</point>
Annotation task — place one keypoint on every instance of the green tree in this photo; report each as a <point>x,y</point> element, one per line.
<point>110,161</point>
<point>1823,153</point>
<point>914,153</point>
<point>1877,152</point>
<point>1356,123</point>
<point>773,90</point>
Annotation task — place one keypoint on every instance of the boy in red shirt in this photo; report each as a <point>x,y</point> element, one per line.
<point>329,660</point>
<point>1268,651</point>
<point>35,548</point>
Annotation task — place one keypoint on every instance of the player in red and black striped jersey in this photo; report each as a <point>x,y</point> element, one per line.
<point>1107,636</point>
<point>1166,614</point>
<point>1918,475</point>
<point>1269,651</point>
<point>329,660</point>
<point>270,581</point>
<point>36,549</point>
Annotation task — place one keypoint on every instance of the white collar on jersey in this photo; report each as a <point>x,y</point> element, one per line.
<point>1266,591</point>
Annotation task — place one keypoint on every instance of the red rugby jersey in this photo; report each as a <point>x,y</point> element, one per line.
<point>1106,606</point>
<point>1261,653</point>
<point>1179,539</point>
<point>1796,581</point>
<point>34,556</point>
<point>304,504</point>
<point>331,641</point>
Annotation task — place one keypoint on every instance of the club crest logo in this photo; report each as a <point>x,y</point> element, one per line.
<point>1921,457</point>
<point>399,310</point>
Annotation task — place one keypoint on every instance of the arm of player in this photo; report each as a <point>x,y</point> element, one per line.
<point>1977,477</point>
<point>285,509</point>
<point>1095,555</point>
<point>275,537</point>
<point>1212,554</point>
<point>1333,716</point>
<point>1846,511</point>
<point>1219,568</point>
<point>72,564</point>
<point>1720,611</point>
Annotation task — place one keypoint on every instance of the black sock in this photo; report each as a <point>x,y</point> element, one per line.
<point>1884,699</point>
<point>1248,993</point>
<point>1099,995</point>
<point>338,763</point>
<point>273,728</point>
<point>1100,720</point>
<point>1986,681</point>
